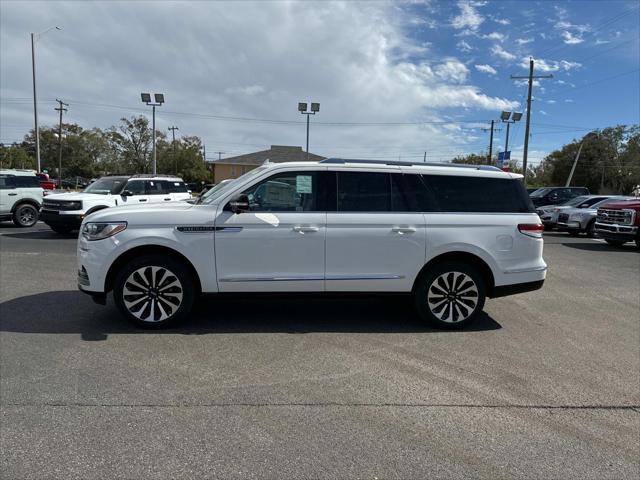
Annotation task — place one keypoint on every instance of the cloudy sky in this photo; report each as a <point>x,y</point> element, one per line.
<point>394,79</point>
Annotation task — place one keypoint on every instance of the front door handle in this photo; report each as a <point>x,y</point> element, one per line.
<point>167,199</point>
<point>12,194</point>
<point>303,230</point>
<point>142,200</point>
<point>403,230</point>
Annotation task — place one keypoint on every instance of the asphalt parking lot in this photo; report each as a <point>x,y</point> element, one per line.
<point>546,385</point>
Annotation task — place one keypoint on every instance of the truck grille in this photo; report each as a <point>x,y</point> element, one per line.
<point>619,217</point>
<point>563,218</point>
<point>61,204</point>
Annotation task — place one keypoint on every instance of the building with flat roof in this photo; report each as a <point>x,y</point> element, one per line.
<point>233,167</point>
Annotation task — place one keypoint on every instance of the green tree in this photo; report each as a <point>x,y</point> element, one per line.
<point>473,159</point>
<point>16,156</point>
<point>183,158</point>
<point>133,142</point>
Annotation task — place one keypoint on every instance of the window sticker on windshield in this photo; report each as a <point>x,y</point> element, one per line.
<point>303,184</point>
<point>177,184</point>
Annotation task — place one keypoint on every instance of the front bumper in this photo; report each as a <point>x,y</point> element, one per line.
<point>58,219</point>
<point>608,231</point>
<point>570,226</point>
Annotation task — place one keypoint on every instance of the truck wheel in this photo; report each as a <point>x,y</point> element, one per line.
<point>614,243</point>
<point>573,233</point>
<point>638,241</point>
<point>154,291</point>
<point>591,229</point>
<point>25,215</point>
<point>450,295</point>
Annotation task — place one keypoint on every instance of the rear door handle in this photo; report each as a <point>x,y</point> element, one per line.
<point>142,200</point>
<point>303,230</point>
<point>167,199</point>
<point>403,230</point>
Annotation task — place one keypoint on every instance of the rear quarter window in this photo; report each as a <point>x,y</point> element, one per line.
<point>27,182</point>
<point>478,194</point>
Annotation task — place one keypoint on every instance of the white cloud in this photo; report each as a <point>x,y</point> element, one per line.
<point>523,41</point>
<point>571,39</point>
<point>547,66</point>
<point>551,101</point>
<point>248,90</point>
<point>468,16</point>
<point>501,21</point>
<point>542,112</point>
<point>500,37</point>
<point>502,53</point>
<point>464,46</point>
<point>486,69</point>
<point>602,42</point>
<point>568,100</point>
<point>452,70</point>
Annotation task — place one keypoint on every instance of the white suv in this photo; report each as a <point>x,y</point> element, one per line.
<point>448,235</point>
<point>64,212</point>
<point>20,197</point>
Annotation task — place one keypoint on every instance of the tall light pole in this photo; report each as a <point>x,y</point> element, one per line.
<point>515,117</point>
<point>159,100</point>
<point>173,144</point>
<point>60,109</point>
<point>35,37</point>
<point>302,108</point>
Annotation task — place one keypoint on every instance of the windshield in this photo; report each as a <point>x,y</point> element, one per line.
<point>106,185</point>
<point>576,200</point>
<point>215,193</point>
<point>540,192</point>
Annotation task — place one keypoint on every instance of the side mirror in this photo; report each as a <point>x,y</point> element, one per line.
<point>127,193</point>
<point>239,204</point>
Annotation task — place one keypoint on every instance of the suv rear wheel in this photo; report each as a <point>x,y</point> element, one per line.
<point>154,291</point>
<point>25,215</point>
<point>614,243</point>
<point>450,295</point>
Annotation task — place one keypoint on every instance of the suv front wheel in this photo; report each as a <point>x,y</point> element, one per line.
<point>450,295</point>
<point>154,291</point>
<point>25,215</point>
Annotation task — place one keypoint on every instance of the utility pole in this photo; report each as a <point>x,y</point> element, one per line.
<point>425,157</point>
<point>492,129</point>
<point>219,155</point>
<point>35,100</point>
<point>525,154</point>
<point>173,144</point>
<point>573,168</point>
<point>60,109</point>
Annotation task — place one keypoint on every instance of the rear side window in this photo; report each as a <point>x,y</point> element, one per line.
<point>27,182</point>
<point>478,194</point>
<point>6,182</point>
<point>169,186</point>
<point>136,187</point>
<point>154,187</point>
<point>364,192</point>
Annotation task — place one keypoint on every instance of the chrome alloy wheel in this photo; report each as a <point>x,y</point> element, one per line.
<point>152,294</point>
<point>452,297</point>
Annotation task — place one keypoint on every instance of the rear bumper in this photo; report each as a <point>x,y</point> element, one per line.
<point>505,290</point>
<point>52,217</point>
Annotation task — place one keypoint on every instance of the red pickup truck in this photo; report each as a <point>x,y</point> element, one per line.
<point>45,181</point>
<point>619,222</point>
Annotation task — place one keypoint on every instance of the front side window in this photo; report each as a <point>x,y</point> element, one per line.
<point>136,187</point>
<point>364,192</point>
<point>155,187</point>
<point>285,192</point>
<point>478,194</point>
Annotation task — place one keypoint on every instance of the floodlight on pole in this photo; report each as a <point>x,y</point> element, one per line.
<point>302,108</point>
<point>34,38</point>
<point>515,117</point>
<point>159,100</point>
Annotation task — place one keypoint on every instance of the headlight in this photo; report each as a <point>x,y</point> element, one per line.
<point>97,231</point>
<point>75,205</point>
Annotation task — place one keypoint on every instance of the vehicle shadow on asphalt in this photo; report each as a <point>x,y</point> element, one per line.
<point>601,247</point>
<point>41,235</point>
<point>73,312</point>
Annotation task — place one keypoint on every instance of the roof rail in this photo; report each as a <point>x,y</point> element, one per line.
<point>342,161</point>
<point>151,175</point>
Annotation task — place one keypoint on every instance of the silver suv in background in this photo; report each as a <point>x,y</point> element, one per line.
<point>582,219</point>
<point>20,197</point>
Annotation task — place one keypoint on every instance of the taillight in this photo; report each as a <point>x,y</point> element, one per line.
<point>531,229</point>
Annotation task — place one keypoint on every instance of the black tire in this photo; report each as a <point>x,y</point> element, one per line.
<point>60,229</point>
<point>638,241</point>
<point>614,243</point>
<point>25,215</point>
<point>591,229</point>
<point>154,302</point>
<point>573,233</point>
<point>438,298</point>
